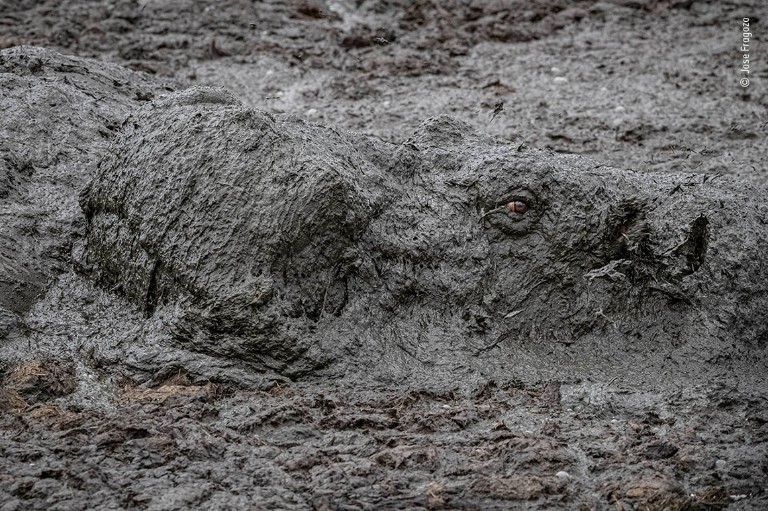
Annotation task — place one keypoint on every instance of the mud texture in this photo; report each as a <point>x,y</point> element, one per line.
<point>297,247</point>
<point>177,446</point>
<point>396,371</point>
<point>59,114</point>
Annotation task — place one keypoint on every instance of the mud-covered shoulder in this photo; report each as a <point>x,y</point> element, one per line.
<point>247,219</point>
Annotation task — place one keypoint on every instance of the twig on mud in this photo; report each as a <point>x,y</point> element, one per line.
<point>602,314</point>
<point>489,347</point>
<point>497,109</point>
<point>500,209</point>
<point>217,52</point>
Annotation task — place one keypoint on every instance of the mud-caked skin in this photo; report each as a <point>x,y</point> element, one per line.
<point>298,248</point>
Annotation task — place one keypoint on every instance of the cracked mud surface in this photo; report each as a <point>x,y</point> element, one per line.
<point>649,86</point>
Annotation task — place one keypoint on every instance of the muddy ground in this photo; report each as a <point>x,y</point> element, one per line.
<point>646,85</point>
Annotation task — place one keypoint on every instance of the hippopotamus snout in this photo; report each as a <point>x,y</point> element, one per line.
<point>578,218</point>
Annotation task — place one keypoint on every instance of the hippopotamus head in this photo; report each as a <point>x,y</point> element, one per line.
<point>298,248</point>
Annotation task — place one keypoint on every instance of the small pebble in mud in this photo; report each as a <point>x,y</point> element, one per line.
<point>560,79</point>
<point>620,109</point>
<point>720,464</point>
<point>518,207</point>
<point>563,475</point>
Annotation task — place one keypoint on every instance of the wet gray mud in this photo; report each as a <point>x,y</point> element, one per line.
<point>459,256</point>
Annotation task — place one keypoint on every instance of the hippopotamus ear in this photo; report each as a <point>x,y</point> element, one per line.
<point>199,95</point>
<point>444,131</point>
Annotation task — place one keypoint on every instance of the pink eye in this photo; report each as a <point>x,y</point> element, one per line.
<point>517,206</point>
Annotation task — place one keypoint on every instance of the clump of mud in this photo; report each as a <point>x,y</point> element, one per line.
<point>37,381</point>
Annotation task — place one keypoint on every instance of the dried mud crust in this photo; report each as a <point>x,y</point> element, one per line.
<point>162,36</point>
<point>561,69</point>
<point>178,446</point>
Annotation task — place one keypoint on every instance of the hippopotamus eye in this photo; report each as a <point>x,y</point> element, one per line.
<point>513,213</point>
<point>519,207</point>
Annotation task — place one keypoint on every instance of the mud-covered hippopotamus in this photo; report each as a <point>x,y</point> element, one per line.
<point>300,249</point>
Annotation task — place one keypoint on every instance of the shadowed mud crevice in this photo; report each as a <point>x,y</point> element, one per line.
<point>14,173</point>
<point>694,248</point>
<point>153,293</point>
